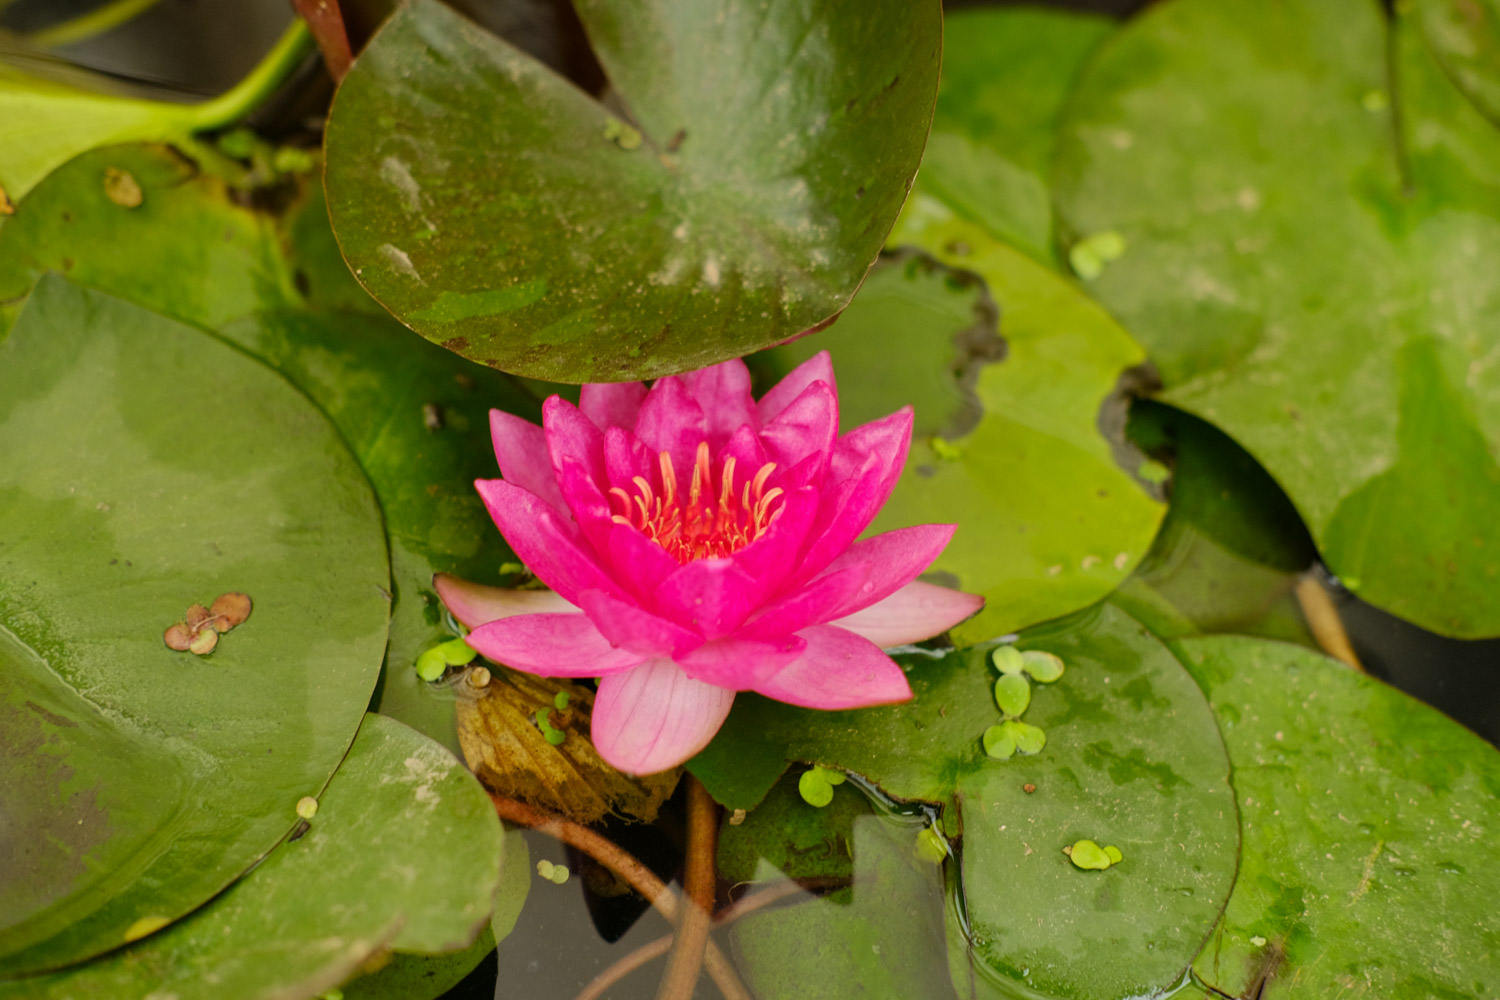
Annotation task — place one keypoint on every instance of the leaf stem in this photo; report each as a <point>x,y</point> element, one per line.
<point>258,84</point>
<point>1324,621</point>
<point>86,26</point>
<point>686,961</point>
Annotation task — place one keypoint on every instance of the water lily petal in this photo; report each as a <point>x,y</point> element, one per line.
<point>710,596</point>
<point>867,463</point>
<point>896,557</point>
<point>549,545</point>
<point>571,436</point>
<point>723,391</point>
<point>813,604</point>
<point>629,627</point>
<point>612,404</point>
<point>625,457</point>
<point>818,368</point>
<point>637,562</point>
<point>474,604</point>
<point>672,421</point>
<point>740,664</point>
<point>654,717</point>
<point>839,669</point>
<point>748,453</point>
<point>808,425</point>
<point>524,459</point>
<point>915,612</point>
<point>551,646</point>
<point>766,560</point>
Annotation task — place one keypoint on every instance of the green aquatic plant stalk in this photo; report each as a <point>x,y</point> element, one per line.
<point>86,26</point>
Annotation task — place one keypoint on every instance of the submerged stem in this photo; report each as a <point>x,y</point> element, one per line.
<point>1323,618</point>
<point>86,26</point>
<point>686,962</point>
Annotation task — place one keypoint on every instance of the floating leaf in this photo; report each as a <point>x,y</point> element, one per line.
<point>1012,694</point>
<point>1000,741</point>
<point>796,841</point>
<point>1326,298</point>
<point>772,165</point>
<point>814,788</point>
<point>127,803</point>
<point>1008,660</point>
<point>1088,855</point>
<point>1366,817</point>
<point>1042,666</point>
<point>357,882</point>
<point>1465,35</point>
<point>1047,521</point>
<point>514,758</point>
<point>422,977</point>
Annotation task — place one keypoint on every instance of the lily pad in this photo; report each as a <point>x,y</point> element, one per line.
<point>404,853</point>
<point>1006,74</point>
<point>796,839</point>
<point>148,467</point>
<point>1132,758</point>
<point>507,215</point>
<point>416,416</point>
<point>1465,35</point>
<point>1326,298</point>
<point>1007,441</point>
<point>1366,817</point>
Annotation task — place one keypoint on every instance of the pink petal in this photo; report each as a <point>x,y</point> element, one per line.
<point>818,368</point>
<point>551,646</point>
<point>548,545</point>
<point>813,604</point>
<point>915,612</point>
<point>740,664</point>
<point>655,717</point>
<point>590,509</point>
<point>808,425</point>
<point>572,437</point>
<point>772,559</point>
<point>521,451</point>
<point>612,404</point>
<point>838,670</point>
<point>475,604</point>
<point>625,457</point>
<point>629,627</point>
<point>710,596</point>
<point>672,421</point>
<point>897,557</point>
<point>723,391</point>
<point>637,562</point>
<point>748,453</point>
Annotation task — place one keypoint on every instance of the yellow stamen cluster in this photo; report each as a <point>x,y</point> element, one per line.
<point>699,526</point>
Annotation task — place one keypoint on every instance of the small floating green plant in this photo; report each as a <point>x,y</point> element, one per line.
<point>816,785</point>
<point>1013,696</point>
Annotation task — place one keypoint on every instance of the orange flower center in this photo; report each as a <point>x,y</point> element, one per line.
<point>707,522</point>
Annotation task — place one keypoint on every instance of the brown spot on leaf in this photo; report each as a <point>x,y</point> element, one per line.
<point>120,187</point>
<point>456,344</point>
<point>6,208</point>
<point>1028,788</point>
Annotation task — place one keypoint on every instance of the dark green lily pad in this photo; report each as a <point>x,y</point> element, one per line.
<point>798,840</point>
<point>1326,298</point>
<point>415,415</point>
<point>1232,547</point>
<point>149,467</point>
<point>1049,521</point>
<point>1133,758</point>
<point>403,853</point>
<point>421,977</point>
<point>1367,815</point>
<point>1006,75</point>
<point>512,218</point>
<point>1465,35</point>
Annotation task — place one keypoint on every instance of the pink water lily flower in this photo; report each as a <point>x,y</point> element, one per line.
<point>699,543</point>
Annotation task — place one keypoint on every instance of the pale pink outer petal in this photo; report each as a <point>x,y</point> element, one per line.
<point>524,459</point>
<point>838,670</point>
<point>551,646</point>
<point>740,664</point>
<point>654,717</point>
<point>548,543</point>
<point>612,404</point>
<point>629,627</point>
<point>895,558</point>
<point>474,604</point>
<point>723,391</point>
<point>818,368</point>
<point>915,612</point>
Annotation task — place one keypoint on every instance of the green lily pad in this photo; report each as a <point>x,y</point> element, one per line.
<point>882,937</point>
<point>360,880</point>
<point>421,977</point>
<point>1327,298</point>
<point>795,839</point>
<point>1007,440</point>
<point>150,467</point>
<point>1465,35</point>
<point>1366,816</point>
<point>1132,756</point>
<point>1232,547</point>
<point>416,416</point>
<point>512,218</point>
<point>1006,75</point>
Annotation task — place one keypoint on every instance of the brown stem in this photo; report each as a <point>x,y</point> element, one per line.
<point>1323,618</point>
<point>326,22</point>
<point>636,875</point>
<point>686,961</point>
